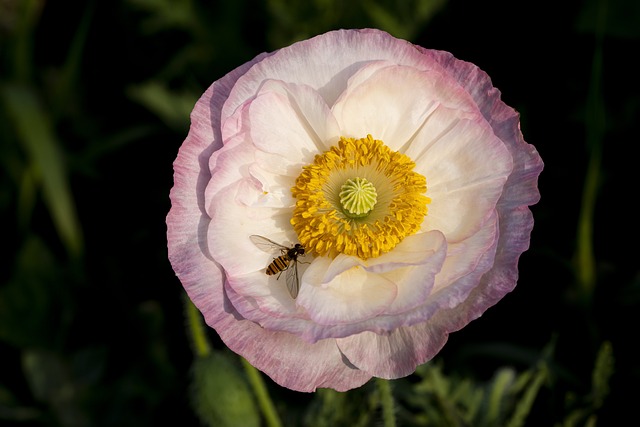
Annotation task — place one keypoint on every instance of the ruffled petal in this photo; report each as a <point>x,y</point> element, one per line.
<point>396,354</point>
<point>464,257</point>
<point>233,222</point>
<point>415,281</point>
<point>327,64</point>
<point>291,121</point>
<point>283,356</point>
<point>187,221</point>
<point>291,362</point>
<point>230,165</point>
<point>466,168</point>
<point>352,296</point>
<point>267,302</point>
<point>504,121</point>
<point>520,190</point>
<point>392,102</point>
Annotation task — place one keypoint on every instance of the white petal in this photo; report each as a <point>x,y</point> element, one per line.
<point>292,121</point>
<point>393,355</point>
<point>352,296</point>
<point>233,222</point>
<point>466,167</point>
<point>463,257</point>
<point>227,166</point>
<point>392,102</point>
<point>327,64</point>
<point>415,281</point>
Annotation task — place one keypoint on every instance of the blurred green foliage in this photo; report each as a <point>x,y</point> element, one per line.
<point>221,395</point>
<point>94,102</point>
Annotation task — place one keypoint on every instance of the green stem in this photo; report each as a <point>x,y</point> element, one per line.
<point>585,253</point>
<point>260,390</point>
<point>27,19</point>
<point>386,398</point>
<point>194,320</point>
<point>595,123</point>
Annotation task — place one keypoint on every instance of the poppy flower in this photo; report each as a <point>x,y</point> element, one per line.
<point>341,205</point>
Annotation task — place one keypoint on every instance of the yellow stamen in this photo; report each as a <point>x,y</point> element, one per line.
<point>358,198</point>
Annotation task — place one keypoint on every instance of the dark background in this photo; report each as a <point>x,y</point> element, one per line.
<point>95,98</point>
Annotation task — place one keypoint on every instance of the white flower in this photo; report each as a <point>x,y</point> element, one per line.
<point>398,170</point>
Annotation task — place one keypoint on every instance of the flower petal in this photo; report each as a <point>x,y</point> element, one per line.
<point>415,281</point>
<point>327,64</point>
<point>352,296</point>
<point>412,266</point>
<point>261,299</point>
<point>288,360</point>
<point>284,356</point>
<point>187,221</point>
<point>392,102</point>
<point>292,121</point>
<point>396,354</point>
<point>504,121</point>
<point>466,168</point>
<point>520,190</point>
<point>232,223</point>
<point>464,257</point>
<point>228,165</point>
<point>291,362</point>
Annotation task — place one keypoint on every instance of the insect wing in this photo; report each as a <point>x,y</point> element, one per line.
<point>271,247</point>
<point>293,281</point>
<point>266,245</point>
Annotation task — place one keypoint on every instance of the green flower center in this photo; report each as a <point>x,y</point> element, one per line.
<point>358,196</point>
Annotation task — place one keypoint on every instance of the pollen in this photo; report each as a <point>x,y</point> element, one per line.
<point>359,198</point>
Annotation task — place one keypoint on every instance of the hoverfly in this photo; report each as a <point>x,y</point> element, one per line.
<point>287,260</point>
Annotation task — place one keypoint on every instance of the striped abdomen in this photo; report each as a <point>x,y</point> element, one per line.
<point>278,265</point>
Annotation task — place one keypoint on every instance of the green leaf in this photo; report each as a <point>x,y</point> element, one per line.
<point>22,18</point>
<point>602,372</point>
<point>172,108</point>
<point>221,396</point>
<point>166,14</point>
<point>525,403</point>
<point>502,383</point>
<point>355,408</point>
<point>402,19</point>
<point>37,136</point>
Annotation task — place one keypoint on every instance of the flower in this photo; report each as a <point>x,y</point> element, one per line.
<point>398,171</point>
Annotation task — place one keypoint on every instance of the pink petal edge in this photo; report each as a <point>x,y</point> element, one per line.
<point>285,358</point>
